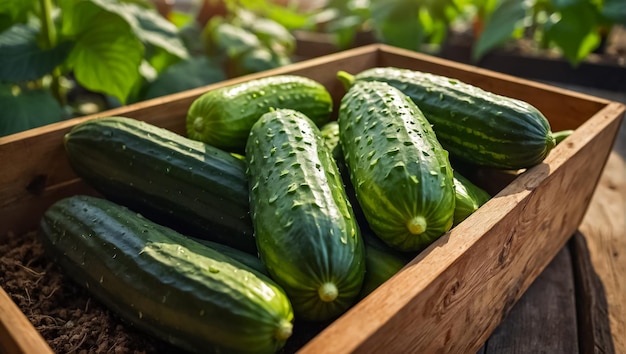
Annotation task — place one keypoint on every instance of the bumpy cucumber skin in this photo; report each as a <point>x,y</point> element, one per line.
<point>398,169</point>
<point>381,261</point>
<point>164,283</point>
<point>305,229</point>
<point>223,117</point>
<point>475,125</point>
<point>197,189</point>
<point>469,197</point>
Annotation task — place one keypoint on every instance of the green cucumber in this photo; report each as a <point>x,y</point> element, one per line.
<point>469,197</point>
<point>474,125</point>
<point>381,262</point>
<point>330,133</point>
<point>165,283</point>
<point>400,173</point>
<point>223,117</point>
<point>198,189</point>
<point>246,258</point>
<point>306,232</point>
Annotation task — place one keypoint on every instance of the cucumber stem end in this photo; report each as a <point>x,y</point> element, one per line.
<point>561,135</point>
<point>417,225</point>
<point>346,78</point>
<point>198,124</point>
<point>328,292</point>
<point>284,330</point>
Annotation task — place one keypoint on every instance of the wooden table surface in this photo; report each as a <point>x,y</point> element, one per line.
<point>578,304</point>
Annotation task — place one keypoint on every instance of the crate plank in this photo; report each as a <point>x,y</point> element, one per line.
<point>17,334</point>
<point>595,328</point>
<point>601,256</point>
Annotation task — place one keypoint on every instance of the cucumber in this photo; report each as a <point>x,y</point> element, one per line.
<point>305,229</point>
<point>474,125</point>
<point>381,262</point>
<point>164,283</point>
<point>330,134</point>
<point>401,175</point>
<point>469,197</point>
<point>223,117</point>
<point>195,188</point>
<point>240,256</point>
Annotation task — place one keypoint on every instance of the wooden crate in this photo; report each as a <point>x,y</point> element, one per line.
<point>452,295</point>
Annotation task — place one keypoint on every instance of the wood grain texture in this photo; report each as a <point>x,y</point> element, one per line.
<point>17,334</point>
<point>592,307</point>
<point>604,232</point>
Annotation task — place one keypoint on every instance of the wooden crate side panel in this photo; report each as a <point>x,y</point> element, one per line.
<point>565,109</point>
<point>25,215</point>
<point>454,294</point>
<point>17,334</point>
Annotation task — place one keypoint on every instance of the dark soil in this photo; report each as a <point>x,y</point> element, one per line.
<point>67,317</point>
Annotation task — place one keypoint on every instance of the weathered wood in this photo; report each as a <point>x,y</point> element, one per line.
<point>544,320</point>
<point>17,334</point>
<point>602,261</point>
<point>595,332</point>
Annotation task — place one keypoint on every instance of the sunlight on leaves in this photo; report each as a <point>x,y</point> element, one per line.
<point>106,56</point>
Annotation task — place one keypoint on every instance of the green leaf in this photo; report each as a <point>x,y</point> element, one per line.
<point>14,11</point>
<point>160,59</point>
<point>26,110</point>
<point>575,32</point>
<point>147,24</point>
<point>184,75</point>
<point>345,29</point>
<point>258,59</point>
<point>272,34</point>
<point>151,28</point>
<point>615,11</point>
<point>21,58</point>
<point>287,16</point>
<point>499,27</point>
<point>107,54</point>
<point>561,4</point>
<point>397,23</point>
<point>233,40</point>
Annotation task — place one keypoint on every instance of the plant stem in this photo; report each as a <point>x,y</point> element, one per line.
<point>47,24</point>
<point>50,37</point>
